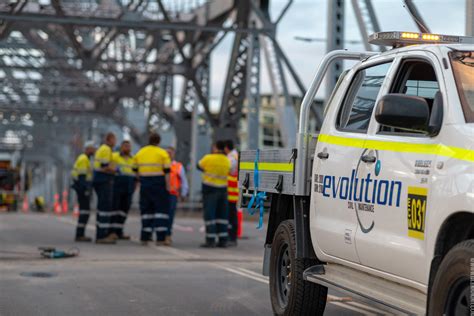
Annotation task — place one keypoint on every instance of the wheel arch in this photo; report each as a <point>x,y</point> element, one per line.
<point>456,228</point>
<point>288,207</point>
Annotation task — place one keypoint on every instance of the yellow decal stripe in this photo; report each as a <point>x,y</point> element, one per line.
<point>267,166</point>
<point>431,149</point>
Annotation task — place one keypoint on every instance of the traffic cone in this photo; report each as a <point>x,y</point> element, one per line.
<point>240,219</point>
<point>65,202</point>
<point>75,211</point>
<point>57,205</point>
<point>25,205</point>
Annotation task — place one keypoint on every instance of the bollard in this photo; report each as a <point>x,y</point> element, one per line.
<point>57,206</point>
<point>240,219</point>
<point>65,202</point>
<point>75,211</point>
<point>25,206</point>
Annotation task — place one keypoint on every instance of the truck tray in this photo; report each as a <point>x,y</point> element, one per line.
<point>276,169</point>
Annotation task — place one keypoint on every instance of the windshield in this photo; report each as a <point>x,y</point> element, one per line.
<point>463,68</point>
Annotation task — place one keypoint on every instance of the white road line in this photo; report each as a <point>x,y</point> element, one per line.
<point>353,308</point>
<point>187,229</point>
<point>369,308</point>
<point>335,300</point>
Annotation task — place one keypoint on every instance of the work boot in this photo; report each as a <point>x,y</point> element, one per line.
<point>83,239</point>
<point>168,242</point>
<point>113,236</point>
<point>222,244</point>
<point>208,245</point>
<point>124,237</point>
<point>161,243</point>
<point>106,241</point>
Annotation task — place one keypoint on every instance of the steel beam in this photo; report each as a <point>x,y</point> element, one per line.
<point>150,25</point>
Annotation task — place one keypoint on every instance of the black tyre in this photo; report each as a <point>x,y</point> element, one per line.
<point>290,294</point>
<point>450,292</point>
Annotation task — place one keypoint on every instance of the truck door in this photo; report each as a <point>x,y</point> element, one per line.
<point>333,220</point>
<point>397,182</point>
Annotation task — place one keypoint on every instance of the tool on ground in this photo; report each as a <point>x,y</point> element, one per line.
<point>53,253</point>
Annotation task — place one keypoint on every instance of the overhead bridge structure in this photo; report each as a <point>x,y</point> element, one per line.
<point>70,69</point>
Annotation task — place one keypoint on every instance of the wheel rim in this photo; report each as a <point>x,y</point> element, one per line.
<point>458,301</point>
<point>284,275</point>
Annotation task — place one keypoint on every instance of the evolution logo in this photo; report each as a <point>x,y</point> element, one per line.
<point>368,190</point>
<point>363,193</point>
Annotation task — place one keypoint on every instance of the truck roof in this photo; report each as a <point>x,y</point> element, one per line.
<point>435,48</point>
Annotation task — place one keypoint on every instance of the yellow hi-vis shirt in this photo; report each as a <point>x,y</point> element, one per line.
<point>215,168</point>
<point>82,166</point>
<point>125,164</point>
<point>152,161</point>
<point>103,157</point>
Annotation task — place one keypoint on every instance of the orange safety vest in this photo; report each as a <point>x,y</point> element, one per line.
<point>233,182</point>
<point>175,179</point>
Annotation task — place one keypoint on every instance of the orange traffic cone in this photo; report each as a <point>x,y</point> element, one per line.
<point>65,202</point>
<point>25,205</point>
<point>75,211</point>
<point>240,219</point>
<point>57,205</point>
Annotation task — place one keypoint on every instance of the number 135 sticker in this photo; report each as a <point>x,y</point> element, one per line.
<point>416,207</point>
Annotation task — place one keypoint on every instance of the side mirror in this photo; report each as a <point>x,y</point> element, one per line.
<point>405,112</point>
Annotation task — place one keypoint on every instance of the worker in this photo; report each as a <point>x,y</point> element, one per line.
<point>124,186</point>
<point>215,168</point>
<point>153,165</point>
<point>82,184</point>
<point>178,189</point>
<point>103,182</point>
<point>232,191</point>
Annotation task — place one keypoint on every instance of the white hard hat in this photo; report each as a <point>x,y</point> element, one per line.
<point>89,143</point>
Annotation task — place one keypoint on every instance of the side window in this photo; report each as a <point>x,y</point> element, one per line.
<point>359,102</point>
<point>416,78</point>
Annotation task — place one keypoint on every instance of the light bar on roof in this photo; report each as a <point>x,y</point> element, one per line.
<point>399,39</point>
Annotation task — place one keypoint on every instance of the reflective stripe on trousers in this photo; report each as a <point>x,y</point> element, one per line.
<point>215,213</point>
<point>154,201</point>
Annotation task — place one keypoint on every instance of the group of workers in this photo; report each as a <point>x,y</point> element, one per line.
<point>114,177</point>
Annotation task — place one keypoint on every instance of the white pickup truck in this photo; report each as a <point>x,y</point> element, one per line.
<point>379,203</point>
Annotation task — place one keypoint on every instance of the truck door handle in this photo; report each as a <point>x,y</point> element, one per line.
<point>323,155</point>
<point>368,159</point>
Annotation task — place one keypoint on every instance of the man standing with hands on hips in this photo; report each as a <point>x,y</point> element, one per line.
<point>153,165</point>
<point>103,182</point>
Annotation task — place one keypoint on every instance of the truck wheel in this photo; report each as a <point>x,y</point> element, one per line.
<point>290,294</point>
<point>450,292</point>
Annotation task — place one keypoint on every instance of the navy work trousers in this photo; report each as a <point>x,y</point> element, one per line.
<point>154,200</point>
<point>122,199</point>
<point>215,213</point>
<point>83,192</point>
<point>103,186</point>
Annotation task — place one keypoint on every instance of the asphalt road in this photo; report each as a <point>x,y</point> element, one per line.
<point>130,279</point>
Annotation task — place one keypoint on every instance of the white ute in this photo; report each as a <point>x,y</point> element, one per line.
<point>379,203</point>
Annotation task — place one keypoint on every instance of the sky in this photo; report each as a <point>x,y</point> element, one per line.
<point>307,18</point>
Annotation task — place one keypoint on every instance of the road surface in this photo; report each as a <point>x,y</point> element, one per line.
<point>130,279</point>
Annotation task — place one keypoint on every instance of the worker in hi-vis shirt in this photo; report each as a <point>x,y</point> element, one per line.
<point>124,186</point>
<point>104,171</point>
<point>215,168</point>
<point>153,165</point>
<point>82,184</point>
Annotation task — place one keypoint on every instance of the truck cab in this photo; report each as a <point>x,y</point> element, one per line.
<point>379,202</point>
